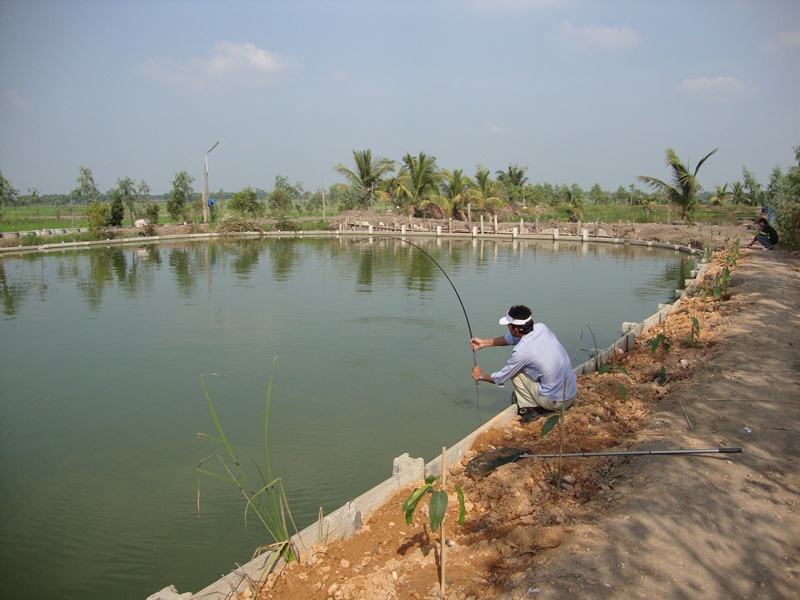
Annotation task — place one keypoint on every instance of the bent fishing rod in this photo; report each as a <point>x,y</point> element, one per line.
<point>450,281</point>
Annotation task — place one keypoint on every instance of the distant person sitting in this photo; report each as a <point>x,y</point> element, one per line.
<point>767,236</point>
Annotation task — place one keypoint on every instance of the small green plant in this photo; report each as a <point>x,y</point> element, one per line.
<point>595,353</point>
<point>437,508</point>
<point>708,250</point>
<point>268,501</point>
<point>603,369</point>
<point>614,368</point>
<point>664,343</point>
<point>437,505</point>
<point>693,339</point>
<point>554,476</point>
<point>719,285</point>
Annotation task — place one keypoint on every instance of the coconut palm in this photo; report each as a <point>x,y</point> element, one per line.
<point>369,176</point>
<point>738,195</point>
<point>513,181</point>
<point>417,185</point>
<point>486,193</point>
<point>684,187</point>
<point>455,187</point>
<point>722,194</point>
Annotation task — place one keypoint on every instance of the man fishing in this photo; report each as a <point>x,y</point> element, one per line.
<point>539,366</point>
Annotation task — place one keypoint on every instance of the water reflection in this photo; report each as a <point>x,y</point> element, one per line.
<point>370,262</point>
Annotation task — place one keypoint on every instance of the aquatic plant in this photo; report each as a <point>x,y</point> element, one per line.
<point>268,499</point>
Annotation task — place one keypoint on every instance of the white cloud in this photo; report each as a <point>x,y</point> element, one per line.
<point>495,129</point>
<point>229,63</point>
<point>505,7</point>
<point>599,36</point>
<point>339,75</point>
<point>15,98</point>
<point>716,86</point>
<point>785,39</point>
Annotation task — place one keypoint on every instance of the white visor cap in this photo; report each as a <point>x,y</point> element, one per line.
<point>508,320</point>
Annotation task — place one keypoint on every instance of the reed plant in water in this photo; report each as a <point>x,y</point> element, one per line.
<point>266,498</point>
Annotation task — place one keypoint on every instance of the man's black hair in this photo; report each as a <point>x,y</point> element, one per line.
<point>521,312</point>
<point>762,220</point>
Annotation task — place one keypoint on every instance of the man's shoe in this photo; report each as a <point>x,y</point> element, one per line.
<point>531,413</point>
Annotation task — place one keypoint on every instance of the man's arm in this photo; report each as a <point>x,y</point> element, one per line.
<point>478,343</point>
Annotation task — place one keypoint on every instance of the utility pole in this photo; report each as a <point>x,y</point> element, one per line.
<point>205,186</point>
<point>324,216</point>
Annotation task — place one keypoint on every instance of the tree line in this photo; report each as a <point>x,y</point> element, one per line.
<point>417,186</point>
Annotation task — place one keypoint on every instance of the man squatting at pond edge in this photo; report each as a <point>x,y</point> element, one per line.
<point>539,366</point>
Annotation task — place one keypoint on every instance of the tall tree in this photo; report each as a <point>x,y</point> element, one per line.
<point>455,187</point>
<point>369,176</point>
<point>752,187</point>
<point>512,181</point>
<point>126,188</point>
<point>738,195</point>
<point>682,191</point>
<point>417,183</point>
<point>117,212</point>
<point>8,194</point>
<point>721,196</point>
<point>34,198</point>
<point>598,196</point>
<point>486,193</point>
<point>87,190</point>
<point>246,202</point>
<point>788,209</point>
<point>180,195</point>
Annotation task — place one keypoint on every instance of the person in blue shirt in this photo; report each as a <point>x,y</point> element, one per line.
<point>539,367</point>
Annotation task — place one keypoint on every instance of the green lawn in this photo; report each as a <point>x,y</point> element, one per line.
<point>28,218</point>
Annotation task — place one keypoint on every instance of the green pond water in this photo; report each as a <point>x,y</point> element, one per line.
<point>101,398</point>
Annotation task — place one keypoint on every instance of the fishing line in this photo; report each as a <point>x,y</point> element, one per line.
<point>452,285</point>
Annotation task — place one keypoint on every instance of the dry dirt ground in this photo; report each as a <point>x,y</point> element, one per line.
<point>689,526</point>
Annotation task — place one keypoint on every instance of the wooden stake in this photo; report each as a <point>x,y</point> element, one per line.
<point>444,489</point>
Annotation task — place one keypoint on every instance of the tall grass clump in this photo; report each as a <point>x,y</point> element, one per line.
<point>267,498</point>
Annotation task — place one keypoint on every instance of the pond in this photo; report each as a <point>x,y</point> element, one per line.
<point>366,346</point>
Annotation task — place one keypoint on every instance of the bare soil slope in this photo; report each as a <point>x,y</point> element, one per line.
<point>713,526</point>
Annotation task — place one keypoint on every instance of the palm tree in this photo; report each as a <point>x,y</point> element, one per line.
<point>738,195</point>
<point>486,193</point>
<point>513,181</point>
<point>684,188</point>
<point>369,176</point>
<point>455,187</point>
<point>722,194</point>
<point>417,185</point>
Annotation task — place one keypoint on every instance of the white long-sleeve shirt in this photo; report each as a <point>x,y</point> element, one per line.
<point>541,357</point>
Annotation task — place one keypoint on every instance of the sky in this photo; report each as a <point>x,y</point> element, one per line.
<point>575,91</point>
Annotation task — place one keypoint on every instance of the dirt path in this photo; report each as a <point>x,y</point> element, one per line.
<point>711,527</point>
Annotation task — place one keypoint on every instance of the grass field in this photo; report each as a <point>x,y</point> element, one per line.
<point>30,218</point>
